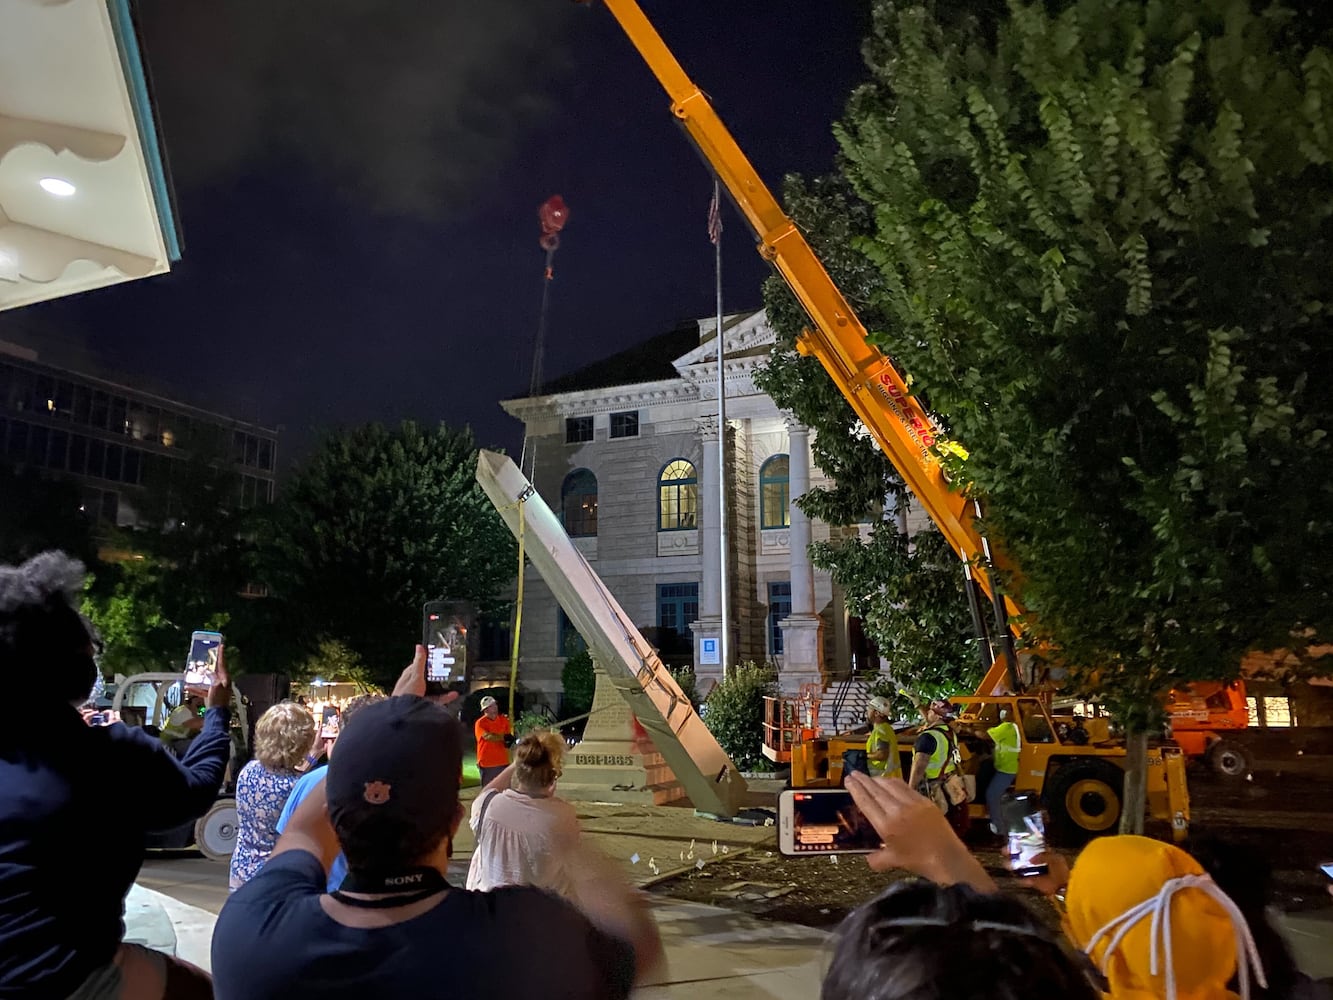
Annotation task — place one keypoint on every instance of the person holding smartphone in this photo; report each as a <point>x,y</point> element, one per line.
<point>390,804</point>
<point>60,930</point>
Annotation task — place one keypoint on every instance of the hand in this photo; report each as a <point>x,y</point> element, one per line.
<point>917,836</point>
<point>1056,879</point>
<point>219,695</point>
<point>413,678</point>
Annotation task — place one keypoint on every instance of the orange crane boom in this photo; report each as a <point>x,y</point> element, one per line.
<point>871,383</point>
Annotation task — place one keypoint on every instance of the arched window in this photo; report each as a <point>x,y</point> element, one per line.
<point>677,497</point>
<point>578,504</point>
<point>775,493</point>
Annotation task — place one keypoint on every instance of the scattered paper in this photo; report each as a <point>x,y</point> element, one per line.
<point>682,855</point>
<point>652,863</point>
<point>768,821</point>
<point>833,858</point>
<point>699,863</point>
<point>634,859</point>
<point>715,847</point>
<point>726,849</point>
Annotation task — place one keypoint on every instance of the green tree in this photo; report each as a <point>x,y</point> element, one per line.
<point>39,514</point>
<point>376,522</point>
<point>578,682</point>
<point>1102,241</point>
<point>184,567</point>
<point>332,660</point>
<point>908,593</point>
<point>734,714</point>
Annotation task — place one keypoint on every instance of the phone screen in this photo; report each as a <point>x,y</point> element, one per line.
<point>201,668</point>
<point>1025,821</point>
<point>329,723</point>
<point>1327,868</point>
<point>824,822</point>
<point>445,639</point>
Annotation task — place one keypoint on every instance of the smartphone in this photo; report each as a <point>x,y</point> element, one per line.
<point>97,719</point>
<point>445,639</point>
<point>1025,823</point>
<point>823,821</point>
<point>201,667</point>
<point>1327,868</point>
<point>329,724</point>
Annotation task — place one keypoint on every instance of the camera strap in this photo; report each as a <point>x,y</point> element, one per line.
<point>390,888</point>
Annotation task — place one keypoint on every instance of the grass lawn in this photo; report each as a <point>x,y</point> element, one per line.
<point>471,776</point>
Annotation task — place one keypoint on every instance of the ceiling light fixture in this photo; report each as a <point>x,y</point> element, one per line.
<point>57,186</point>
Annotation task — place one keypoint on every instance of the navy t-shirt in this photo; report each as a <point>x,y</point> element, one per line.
<point>273,941</point>
<point>75,804</point>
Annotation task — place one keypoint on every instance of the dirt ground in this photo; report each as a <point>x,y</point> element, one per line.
<point>1284,815</point>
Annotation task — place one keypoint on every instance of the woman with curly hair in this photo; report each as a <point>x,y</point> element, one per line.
<point>62,781</point>
<point>284,736</point>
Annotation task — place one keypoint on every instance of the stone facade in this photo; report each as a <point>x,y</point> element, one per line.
<point>626,421</point>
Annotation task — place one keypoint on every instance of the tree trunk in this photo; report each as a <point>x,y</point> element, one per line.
<point>1136,786</point>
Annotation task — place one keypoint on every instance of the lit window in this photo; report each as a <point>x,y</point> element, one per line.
<point>775,493</point>
<point>677,497</point>
<point>1277,713</point>
<point>578,504</point>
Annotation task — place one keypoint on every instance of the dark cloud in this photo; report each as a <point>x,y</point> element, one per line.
<point>404,105</point>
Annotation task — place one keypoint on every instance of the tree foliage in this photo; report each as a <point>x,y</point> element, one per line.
<point>909,594</point>
<point>578,682</point>
<point>1101,243</point>
<point>376,522</point>
<point>39,514</point>
<point>734,714</point>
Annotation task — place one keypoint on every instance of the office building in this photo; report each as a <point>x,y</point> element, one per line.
<point>116,441</point>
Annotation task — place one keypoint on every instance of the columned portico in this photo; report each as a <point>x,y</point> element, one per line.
<point>802,630</point>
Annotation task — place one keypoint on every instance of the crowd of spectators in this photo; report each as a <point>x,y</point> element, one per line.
<point>339,879</point>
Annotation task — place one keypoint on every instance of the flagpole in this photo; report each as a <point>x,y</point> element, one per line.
<point>716,233</point>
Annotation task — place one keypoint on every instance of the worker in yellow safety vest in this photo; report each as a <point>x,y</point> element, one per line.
<point>1008,743</point>
<point>882,743</point>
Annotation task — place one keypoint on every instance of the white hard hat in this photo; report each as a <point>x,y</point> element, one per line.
<point>487,702</point>
<point>881,705</point>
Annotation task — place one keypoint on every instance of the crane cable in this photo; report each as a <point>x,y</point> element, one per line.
<point>553,214</point>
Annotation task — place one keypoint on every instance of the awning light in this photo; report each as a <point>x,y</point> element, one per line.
<point>57,186</point>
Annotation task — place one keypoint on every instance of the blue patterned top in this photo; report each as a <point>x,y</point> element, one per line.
<point>260,796</point>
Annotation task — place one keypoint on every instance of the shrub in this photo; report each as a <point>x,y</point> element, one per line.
<point>734,714</point>
<point>578,682</point>
<point>689,687</point>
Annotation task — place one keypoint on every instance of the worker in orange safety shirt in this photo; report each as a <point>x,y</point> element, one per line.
<point>494,734</point>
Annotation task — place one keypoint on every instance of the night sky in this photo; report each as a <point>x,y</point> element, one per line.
<point>357,193</point>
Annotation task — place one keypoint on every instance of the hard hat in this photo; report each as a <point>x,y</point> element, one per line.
<point>487,702</point>
<point>881,705</point>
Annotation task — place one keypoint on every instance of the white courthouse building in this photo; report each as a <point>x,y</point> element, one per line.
<point>627,454</point>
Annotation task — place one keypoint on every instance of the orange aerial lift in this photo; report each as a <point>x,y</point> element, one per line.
<point>1081,781</point>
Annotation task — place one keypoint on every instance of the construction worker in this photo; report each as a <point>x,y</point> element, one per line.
<point>1008,742</point>
<point>935,764</point>
<point>882,743</point>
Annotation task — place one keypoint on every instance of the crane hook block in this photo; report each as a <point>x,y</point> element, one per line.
<point>554,213</point>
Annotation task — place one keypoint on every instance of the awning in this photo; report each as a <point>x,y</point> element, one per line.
<point>84,198</point>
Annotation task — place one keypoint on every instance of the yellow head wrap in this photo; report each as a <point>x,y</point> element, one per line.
<point>1155,923</point>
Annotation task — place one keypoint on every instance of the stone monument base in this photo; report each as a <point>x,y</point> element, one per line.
<point>610,764</point>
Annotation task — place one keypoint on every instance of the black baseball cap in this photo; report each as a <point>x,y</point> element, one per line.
<point>402,756</point>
